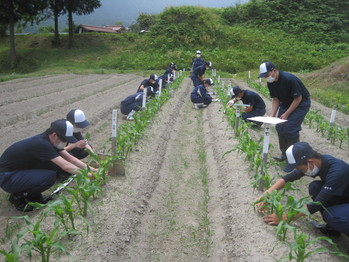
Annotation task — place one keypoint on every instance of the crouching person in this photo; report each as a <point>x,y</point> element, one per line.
<point>29,167</point>
<point>79,121</point>
<point>133,103</point>
<point>152,82</point>
<point>257,105</point>
<point>200,96</point>
<point>330,187</point>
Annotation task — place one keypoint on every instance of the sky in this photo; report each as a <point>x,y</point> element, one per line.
<point>128,11</point>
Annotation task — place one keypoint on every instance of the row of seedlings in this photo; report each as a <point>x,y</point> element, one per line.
<point>68,216</point>
<point>278,202</point>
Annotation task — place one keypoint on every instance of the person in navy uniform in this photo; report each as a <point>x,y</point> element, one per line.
<point>198,60</point>
<point>257,105</point>
<point>200,96</point>
<point>151,81</point>
<point>170,72</point>
<point>291,102</point>
<point>331,189</point>
<point>198,72</point>
<point>79,121</point>
<point>133,103</point>
<point>29,167</point>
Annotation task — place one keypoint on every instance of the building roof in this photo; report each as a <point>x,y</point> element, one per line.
<point>104,29</point>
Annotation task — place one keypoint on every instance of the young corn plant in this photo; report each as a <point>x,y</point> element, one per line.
<point>292,208</point>
<point>261,179</point>
<point>44,243</point>
<point>83,192</point>
<point>14,253</point>
<point>300,248</point>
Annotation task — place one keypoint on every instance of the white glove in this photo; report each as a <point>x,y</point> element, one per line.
<point>231,103</point>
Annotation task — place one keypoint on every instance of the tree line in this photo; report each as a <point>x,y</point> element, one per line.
<point>29,11</point>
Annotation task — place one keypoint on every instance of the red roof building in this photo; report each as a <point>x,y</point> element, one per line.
<point>105,29</point>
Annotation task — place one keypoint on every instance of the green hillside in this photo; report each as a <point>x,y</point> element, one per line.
<point>233,45</point>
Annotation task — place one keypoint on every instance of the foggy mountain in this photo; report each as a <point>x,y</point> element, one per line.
<point>127,12</point>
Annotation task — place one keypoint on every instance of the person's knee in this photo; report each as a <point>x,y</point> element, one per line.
<point>336,221</point>
<point>314,188</point>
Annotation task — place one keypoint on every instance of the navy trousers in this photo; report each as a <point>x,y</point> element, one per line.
<point>290,129</point>
<point>336,216</point>
<point>196,81</point>
<point>31,181</point>
<point>253,113</point>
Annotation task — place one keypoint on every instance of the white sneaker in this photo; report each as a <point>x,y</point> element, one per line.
<point>130,115</point>
<point>198,105</point>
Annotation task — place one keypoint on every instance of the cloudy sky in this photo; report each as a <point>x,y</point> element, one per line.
<point>128,11</point>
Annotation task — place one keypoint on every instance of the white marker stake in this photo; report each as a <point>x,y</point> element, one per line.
<point>144,97</point>
<point>229,89</point>
<point>160,86</point>
<point>219,79</point>
<point>266,142</point>
<point>333,116</point>
<point>267,121</point>
<point>249,74</point>
<point>237,113</point>
<point>114,126</point>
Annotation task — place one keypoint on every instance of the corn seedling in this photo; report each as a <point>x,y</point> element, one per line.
<point>44,243</point>
<point>83,192</point>
<point>292,208</point>
<point>15,252</point>
<point>299,249</point>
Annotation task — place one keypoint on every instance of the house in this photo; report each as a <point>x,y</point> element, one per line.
<point>100,29</point>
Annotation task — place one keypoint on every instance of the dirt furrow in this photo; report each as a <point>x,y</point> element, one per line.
<point>183,198</point>
<point>39,112</point>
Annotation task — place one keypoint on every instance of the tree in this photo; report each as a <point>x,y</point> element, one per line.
<point>144,22</point>
<point>57,8</point>
<point>79,7</point>
<point>14,11</point>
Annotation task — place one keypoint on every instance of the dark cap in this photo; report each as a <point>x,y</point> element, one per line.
<point>153,77</point>
<point>265,68</point>
<point>236,90</point>
<point>298,153</point>
<point>209,64</point>
<point>77,117</point>
<point>209,81</point>
<point>64,130</point>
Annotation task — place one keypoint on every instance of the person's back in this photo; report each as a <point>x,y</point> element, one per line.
<point>252,98</point>
<point>132,102</point>
<point>28,153</point>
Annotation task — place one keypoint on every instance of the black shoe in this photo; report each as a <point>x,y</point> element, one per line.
<point>280,158</point>
<point>327,231</point>
<point>20,202</point>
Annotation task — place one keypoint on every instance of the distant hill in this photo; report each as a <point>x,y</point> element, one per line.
<point>128,11</point>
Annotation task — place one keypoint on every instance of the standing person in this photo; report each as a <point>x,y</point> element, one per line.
<point>77,148</point>
<point>151,81</point>
<point>291,102</point>
<point>332,190</point>
<point>29,167</point>
<point>133,103</point>
<point>200,96</point>
<point>198,72</point>
<point>198,60</point>
<point>257,105</point>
